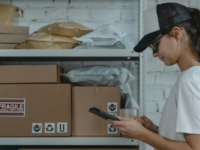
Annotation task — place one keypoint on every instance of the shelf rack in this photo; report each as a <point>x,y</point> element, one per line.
<point>62,141</point>
<point>82,55</point>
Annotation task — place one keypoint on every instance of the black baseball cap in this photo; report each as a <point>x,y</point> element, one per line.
<point>158,18</point>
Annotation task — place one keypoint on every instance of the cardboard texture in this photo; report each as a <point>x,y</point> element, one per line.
<point>9,29</point>
<point>78,149</point>
<point>44,103</point>
<point>14,39</point>
<point>8,46</point>
<point>30,74</point>
<point>87,124</point>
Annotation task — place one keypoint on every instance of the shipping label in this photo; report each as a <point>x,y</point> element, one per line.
<point>111,129</point>
<point>12,107</point>
<point>49,127</point>
<point>112,107</point>
<point>61,127</point>
<point>36,127</point>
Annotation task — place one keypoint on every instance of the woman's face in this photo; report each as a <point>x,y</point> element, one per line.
<point>168,50</point>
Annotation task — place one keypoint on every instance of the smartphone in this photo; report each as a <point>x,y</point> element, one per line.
<point>102,114</point>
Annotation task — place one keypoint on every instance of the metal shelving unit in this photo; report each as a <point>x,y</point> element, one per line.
<point>93,141</point>
<point>67,55</point>
<point>82,55</point>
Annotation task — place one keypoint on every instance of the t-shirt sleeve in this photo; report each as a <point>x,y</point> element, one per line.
<point>188,107</point>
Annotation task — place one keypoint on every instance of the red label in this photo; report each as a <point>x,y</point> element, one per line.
<point>12,107</point>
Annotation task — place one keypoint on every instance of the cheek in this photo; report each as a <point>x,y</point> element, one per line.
<point>168,49</point>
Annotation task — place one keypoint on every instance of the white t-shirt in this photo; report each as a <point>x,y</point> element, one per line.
<point>181,113</point>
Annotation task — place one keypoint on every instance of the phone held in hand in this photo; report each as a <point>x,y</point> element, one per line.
<point>102,114</point>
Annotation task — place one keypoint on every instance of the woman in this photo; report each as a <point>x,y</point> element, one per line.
<point>173,32</point>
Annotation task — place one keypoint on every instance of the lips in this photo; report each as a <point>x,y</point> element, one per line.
<point>162,58</point>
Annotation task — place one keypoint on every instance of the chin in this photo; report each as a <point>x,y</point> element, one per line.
<point>169,63</point>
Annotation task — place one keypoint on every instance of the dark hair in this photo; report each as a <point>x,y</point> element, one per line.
<point>192,27</point>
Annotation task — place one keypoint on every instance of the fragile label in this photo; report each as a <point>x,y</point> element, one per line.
<point>112,107</point>
<point>12,107</point>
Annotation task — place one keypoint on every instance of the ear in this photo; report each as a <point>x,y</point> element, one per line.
<point>178,34</point>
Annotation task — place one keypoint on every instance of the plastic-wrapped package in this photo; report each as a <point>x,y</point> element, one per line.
<point>99,76</point>
<point>106,34</point>
<point>92,45</point>
<point>131,103</point>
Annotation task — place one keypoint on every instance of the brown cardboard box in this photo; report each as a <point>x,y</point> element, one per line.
<point>14,39</point>
<point>79,148</point>
<point>9,29</point>
<point>8,46</point>
<point>30,74</point>
<point>45,104</point>
<point>87,124</point>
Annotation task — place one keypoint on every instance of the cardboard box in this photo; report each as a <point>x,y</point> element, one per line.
<point>79,148</point>
<point>9,29</point>
<point>30,74</point>
<point>30,110</point>
<point>87,124</point>
<point>14,39</point>
<point>8,46</point>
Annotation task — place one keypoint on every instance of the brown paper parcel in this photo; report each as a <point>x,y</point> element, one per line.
<point>69,29</point>
<point>87,124</point>
<point>48,42</point>
<point>7,13</point>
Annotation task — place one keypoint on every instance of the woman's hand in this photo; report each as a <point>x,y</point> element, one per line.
<point>130,128</point>
<point>147,123</point>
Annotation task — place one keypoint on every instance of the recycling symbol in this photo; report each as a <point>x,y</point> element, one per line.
<point>112,107</point>
<point>49,128</point>
<point>112,129</point>
<point>36,128</point>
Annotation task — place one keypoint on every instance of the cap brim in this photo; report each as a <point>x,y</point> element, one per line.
<point>146,41</point>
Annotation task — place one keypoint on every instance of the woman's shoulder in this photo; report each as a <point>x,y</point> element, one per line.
<point>190,75</point>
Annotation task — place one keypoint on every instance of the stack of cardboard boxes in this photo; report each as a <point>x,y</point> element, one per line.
<point>33,102</point>
<point>11,36</point>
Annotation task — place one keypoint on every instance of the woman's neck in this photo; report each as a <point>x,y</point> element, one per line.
<point>187,60</point>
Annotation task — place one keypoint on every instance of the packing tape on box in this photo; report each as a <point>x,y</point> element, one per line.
<point>97,92</point>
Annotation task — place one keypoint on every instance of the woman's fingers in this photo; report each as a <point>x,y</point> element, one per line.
<point>133,117</point>
<point>124,118</point>
<point>120,123</point>
<point>115,123</point>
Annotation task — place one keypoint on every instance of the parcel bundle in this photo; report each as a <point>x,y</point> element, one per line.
<point>48,42</point>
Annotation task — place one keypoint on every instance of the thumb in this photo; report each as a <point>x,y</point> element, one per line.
<point>123,118</point>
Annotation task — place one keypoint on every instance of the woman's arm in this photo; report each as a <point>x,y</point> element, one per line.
<point>162,143</point>
<point>131,128</point>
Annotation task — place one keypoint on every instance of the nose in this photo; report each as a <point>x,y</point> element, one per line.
<point>155,54</point>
